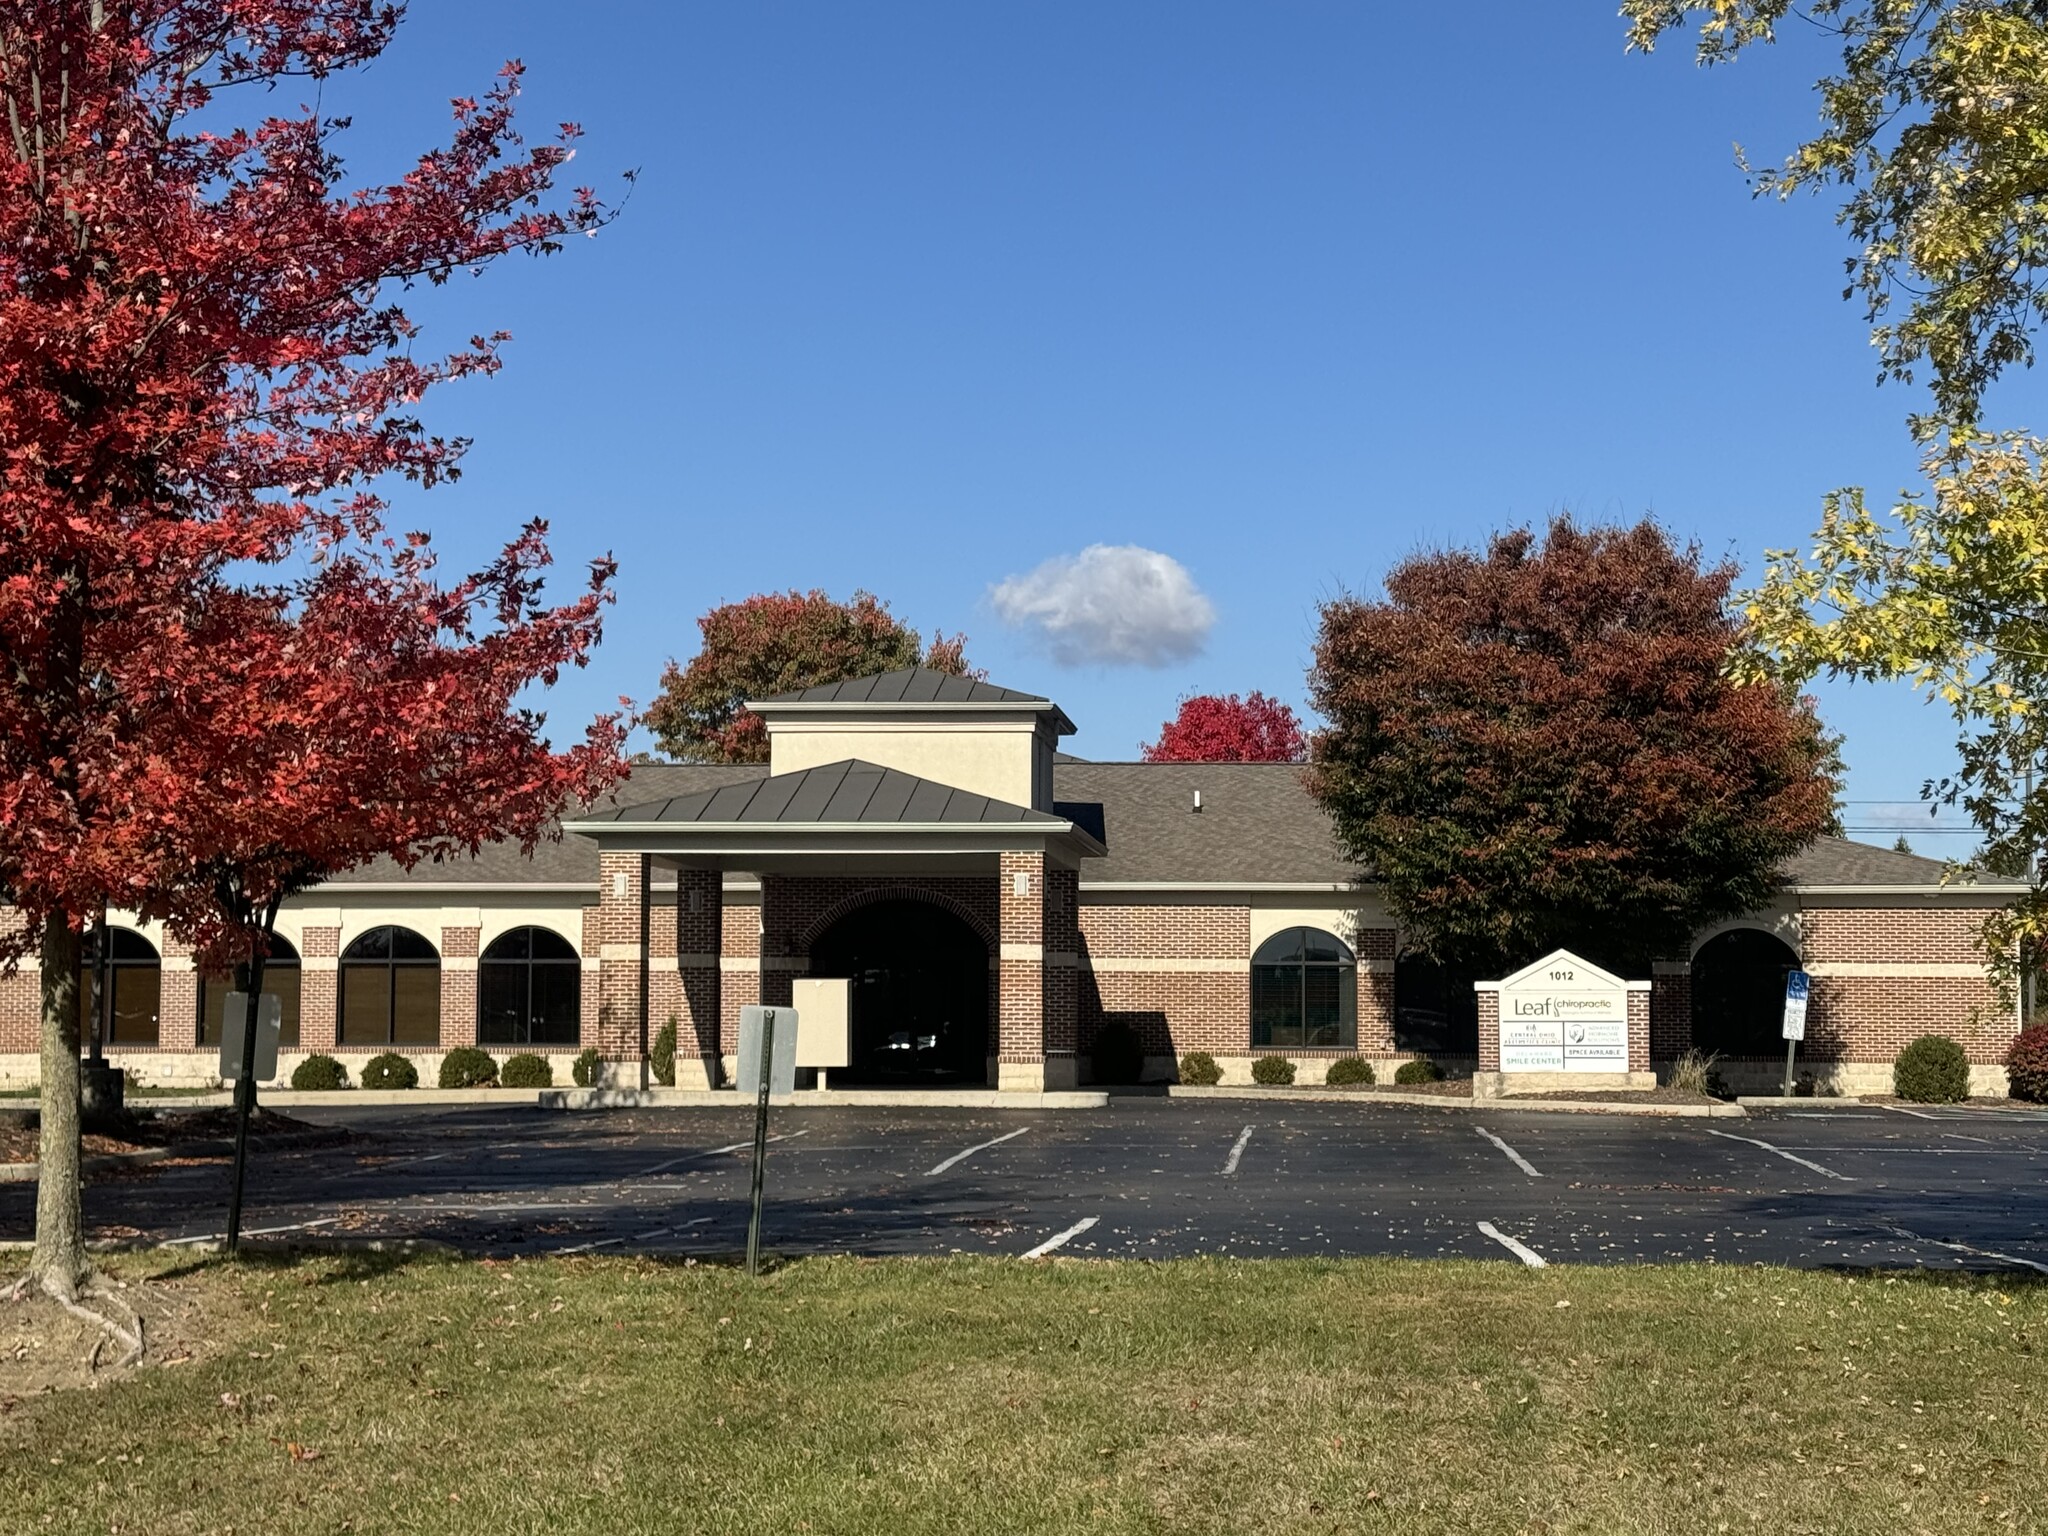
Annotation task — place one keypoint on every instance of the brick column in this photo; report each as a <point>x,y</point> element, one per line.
<point>1062,976</point>
<point>1375,949</point>
<point>1670,1009</point>
<point>622,967</point>
<point>590,994</point>
<point>177,1015</point>
<point>1489,1026</point>
<point>1639,995</point>
<point>782,957</point>
<point>739,972</point>
<point>459,946</point>
<point>319,973</point>
<point>1020,1009</point>
<point>700,941</point>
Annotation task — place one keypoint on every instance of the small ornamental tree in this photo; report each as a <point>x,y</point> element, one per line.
<point>777,642</point>
<point>201,365</point>
<point>1540,746</point>
<point>1223,728</point>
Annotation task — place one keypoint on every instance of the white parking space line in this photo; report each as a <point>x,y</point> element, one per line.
<point>1520,1250</point>
<point>1514,1157</point>
<point>1982,1253</point>
<point>1959,1136</point>
<point>1790,1157</point>
<point>1917,1114</point>
<point>691,1157</point>
<point>1237,1151</point>
<point>221,1237</point>
<point>1058,1239</point>
<point>978,1147</point>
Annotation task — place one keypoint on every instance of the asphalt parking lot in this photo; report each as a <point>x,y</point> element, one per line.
<point>1146,1178</point>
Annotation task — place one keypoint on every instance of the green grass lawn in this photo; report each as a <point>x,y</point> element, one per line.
<point>837,1396</point>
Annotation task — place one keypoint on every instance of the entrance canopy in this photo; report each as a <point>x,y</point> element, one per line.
<point>856,813</point>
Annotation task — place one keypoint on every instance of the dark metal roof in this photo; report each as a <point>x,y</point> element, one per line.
<point>911,685</point>
<point>842,793</point>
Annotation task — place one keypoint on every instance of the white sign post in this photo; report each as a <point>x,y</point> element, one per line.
<point>1797,985</point>
<point>1563,1015</point>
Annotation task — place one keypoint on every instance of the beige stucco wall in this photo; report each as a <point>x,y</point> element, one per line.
<point>1006,759</point>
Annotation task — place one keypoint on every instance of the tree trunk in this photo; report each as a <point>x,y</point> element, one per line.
<point>59,1263</point>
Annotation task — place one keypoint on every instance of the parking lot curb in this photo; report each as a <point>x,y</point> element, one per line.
<point>1437,1101</point>
<point>819,1098</point>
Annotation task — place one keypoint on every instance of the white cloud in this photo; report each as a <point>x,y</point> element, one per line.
<point>1114,604</point>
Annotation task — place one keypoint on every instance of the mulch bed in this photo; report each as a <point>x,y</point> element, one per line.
<point>140,1130</point>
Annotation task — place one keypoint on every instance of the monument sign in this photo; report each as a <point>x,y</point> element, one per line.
<point>1563,1015</point>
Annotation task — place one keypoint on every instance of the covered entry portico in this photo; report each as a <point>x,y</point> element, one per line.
<point>859,866</point>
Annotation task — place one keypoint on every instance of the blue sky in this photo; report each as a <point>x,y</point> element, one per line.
<point>919,297</point>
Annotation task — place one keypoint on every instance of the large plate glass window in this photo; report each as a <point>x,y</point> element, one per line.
<point>280,975</point>
<point>124,988</point>
<point>1304,992</point>
<point>390,989</point>
<point>529,990</point>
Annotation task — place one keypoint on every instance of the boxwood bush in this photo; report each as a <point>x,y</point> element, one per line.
<point>1198,1069</point>
<point>1273,1071</point>
<point>468,1066</point>
<point>662,1054</point>
<point>2026,1064</point>
<point>589,1065</point>
<point>526,1070</point>
<point>1119,1056</point>
<point>1932,1070</point>
<point>389,1070</point>
<point>319,1074</point>
<point>1348,1072</point>
<point>1420,1070</point>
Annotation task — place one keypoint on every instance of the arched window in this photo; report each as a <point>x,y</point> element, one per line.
<point>280,976</point>
<point>390,990</point>
<point>1435,1009</point>
<point>124,990</point>
<point>1738,993</point>
<point>1304,991</point>
<point>529,990</point>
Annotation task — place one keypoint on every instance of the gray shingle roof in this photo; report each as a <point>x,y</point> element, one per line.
<point>1258,824</point>
<point>845,793</point>
<point>910,685</point>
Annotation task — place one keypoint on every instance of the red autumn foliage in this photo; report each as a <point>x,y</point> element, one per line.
<point>201,364</point>
<point>1223,728</point>
<point>777,642</point>
<point>1541,746</point>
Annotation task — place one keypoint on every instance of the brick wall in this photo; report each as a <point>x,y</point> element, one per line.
<point>1670,1012</point>
<point>1489,1032</point>
<point>698,940</point>
<point>739,972</point>
<point>1020,991</point>
<point>459,948</point>
<point>21,995</point>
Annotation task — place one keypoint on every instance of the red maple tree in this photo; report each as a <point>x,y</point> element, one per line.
<point>1223,728</point>
<point>202,364</point>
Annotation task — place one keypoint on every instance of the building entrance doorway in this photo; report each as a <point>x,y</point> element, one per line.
<point>918,1003</point>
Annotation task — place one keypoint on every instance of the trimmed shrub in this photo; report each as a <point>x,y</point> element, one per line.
<point>1198,1069</point>
<point>1119,1056</point>
<point>1349,1072</point>
<point>389,1070</point>
<point>1273,1071</point>
<point>662,1054</point>
<point>2026,1064</point>
<point>468,1066</point>
<point>526,1070</point>
<point>1420,1070</point>
<point>589,1066</point>
<point>319,1074</point>
<point>1932,1070</point>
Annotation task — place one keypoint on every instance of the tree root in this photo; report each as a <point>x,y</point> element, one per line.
<point>131,1338</point>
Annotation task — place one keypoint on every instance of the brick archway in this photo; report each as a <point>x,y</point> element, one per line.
<point>846,905</point>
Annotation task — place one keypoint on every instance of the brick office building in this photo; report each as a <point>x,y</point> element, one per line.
<point>995,902</point>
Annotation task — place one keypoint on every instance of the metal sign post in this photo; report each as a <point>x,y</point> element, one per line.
<point>767,1065</point>
<point>1797,985</point>
<point>245,1086</point>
